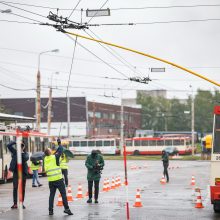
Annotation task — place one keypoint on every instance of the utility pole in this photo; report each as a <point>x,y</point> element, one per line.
<point>192,122</point>
<point>38,102</point>
<point>122,126</point>
<point>68,116</point>
<point>49,111</point>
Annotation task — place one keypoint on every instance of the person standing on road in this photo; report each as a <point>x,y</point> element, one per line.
<point>55,178</point>
<point>63,163</point>
<point>35,165</point>
<point>14,170</point>
<point>94,164</point>
<point>165,159</point>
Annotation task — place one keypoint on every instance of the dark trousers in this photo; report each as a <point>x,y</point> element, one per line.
<point>90,185</point>
<point>65,174</point>
<point>54,185</point>
<point>165,171</point>
<point>15,187</point>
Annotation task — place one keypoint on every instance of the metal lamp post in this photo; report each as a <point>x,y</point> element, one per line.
<point>38,101</point>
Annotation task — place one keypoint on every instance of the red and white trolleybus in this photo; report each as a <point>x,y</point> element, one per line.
<point>34,141</point>
<point>155,145</point>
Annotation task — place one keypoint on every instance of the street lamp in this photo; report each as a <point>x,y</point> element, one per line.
<point>50,104</point>
<point>38,101</point>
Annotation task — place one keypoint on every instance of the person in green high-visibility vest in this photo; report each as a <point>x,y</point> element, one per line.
<point>35,165</point>
<point>55,178</point>
<point>64,167</point>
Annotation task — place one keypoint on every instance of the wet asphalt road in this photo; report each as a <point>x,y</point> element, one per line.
<point>171,201</point>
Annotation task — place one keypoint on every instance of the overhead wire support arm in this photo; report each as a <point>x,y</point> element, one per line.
<point>149,56</point>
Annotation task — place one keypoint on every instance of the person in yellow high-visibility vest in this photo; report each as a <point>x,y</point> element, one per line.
<point>55,178</point>
<point>64,167</point>
<point>35,165</point>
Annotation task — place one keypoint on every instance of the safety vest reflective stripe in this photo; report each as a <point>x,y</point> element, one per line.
<point>52,170</point>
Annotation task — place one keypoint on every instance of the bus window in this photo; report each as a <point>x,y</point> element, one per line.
<point>6,140</point>
<point>152,143</point>
<point>117,142</point>
<point>1,150</point>
<point>176,142</point>
<point>112,143</point>
<point>128,143</point>
<point>216,144</point>
<point>83,143</point>
<point>98,143</point>
<point>160,142</point>
<point>168,142</point>
<point>25,140</point>
<point>144,143</point>
<point>137,143</point>
<point>37,144</point>
<point>75,143</point>
<point>181,142</point>
<point>91,143</point>
<point>107,143</point>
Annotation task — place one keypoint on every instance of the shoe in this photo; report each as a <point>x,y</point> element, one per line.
<point>67,211</point>
<point>39,185</point>
<point>15,206</point>
<point>96,201</point>
<point>34,186</point>
<point>24,207</point>
<point>89,201</point>
<point>50,212</point>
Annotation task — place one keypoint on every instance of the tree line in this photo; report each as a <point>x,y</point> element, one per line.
<point>162,114</point>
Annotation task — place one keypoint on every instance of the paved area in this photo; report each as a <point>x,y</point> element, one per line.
<point>171,201</point>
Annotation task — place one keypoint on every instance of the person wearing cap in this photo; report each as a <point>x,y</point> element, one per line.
<point>165,159</point>
<point>94,164</point>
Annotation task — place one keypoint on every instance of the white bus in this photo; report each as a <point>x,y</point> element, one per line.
<point>103,145</point>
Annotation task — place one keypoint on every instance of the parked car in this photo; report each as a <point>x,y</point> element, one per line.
<point>171,151</point>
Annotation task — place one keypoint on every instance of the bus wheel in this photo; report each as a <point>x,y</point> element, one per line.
<point>6,175</point>
<point>136,152</point>
<point>216,207</point>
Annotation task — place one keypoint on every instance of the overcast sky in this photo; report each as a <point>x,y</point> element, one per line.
<point>194,45</point>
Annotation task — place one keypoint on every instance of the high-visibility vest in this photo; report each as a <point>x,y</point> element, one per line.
<point>63,162</point>
<point>34,167</point>
<point>52,170</point>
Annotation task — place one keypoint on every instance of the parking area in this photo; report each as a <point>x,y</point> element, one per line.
<point>174,200</point>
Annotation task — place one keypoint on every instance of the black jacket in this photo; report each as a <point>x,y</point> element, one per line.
<point>13,164</point>
<point>165,159</point>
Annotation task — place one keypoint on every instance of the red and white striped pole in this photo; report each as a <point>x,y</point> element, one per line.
<point>19,166</point>
<point>126,183</point>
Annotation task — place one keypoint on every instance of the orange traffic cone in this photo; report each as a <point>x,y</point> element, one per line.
<point>116,182</point>
<point>199,200</point>
<point>69,194</point>
<point>108,185</point>
<point>163,181</point>
<point>119,181</point>
<point>138,199</point>
<point>113,183</point>
<point>79,193</point>
<point>193,181</point>
<point>105,187</point>
<point>60,201</point>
